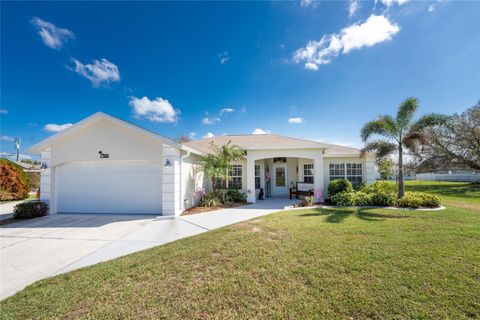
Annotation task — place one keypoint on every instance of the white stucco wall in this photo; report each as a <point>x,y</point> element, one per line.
<point>109,137</point>
<point>192,180</point>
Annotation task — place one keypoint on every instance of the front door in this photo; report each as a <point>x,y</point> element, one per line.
<point>280,179</point>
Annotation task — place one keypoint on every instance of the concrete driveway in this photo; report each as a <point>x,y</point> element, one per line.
<point>43,247</point>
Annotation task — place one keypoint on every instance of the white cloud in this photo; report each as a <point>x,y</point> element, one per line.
<point>210,120</point>
<point>7,138</point>
<point>223,57</point>
<point>192,135</point>
<point>308,3</point>
<point>431,8</point>
<point>388,3</point>
<point>158,110</point>
<point>52,36</point>
<point>52,127</point>
<point>100,72</point>
<point>353,7</point>
<point>375,29</point>
<point>296,120</point>
<point>209,135</point>
<point>3,111</point>
<point>226,110</point>
<point>311,66</point>
<point>243,110</point>
<point>260,131</point>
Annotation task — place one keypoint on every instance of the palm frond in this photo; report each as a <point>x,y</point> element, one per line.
<point>428,121</point>
<point>381,149</point>
<point>383,126</point>
<point>406,111</point>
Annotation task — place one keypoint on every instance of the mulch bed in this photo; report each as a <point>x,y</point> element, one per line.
<point>195,210</point>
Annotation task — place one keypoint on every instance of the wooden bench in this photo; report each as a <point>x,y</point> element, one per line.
<point>302,189</point>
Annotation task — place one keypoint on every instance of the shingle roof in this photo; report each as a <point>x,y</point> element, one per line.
<point>268,141</point>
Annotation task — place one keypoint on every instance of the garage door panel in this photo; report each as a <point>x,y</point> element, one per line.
<point>133,187</point>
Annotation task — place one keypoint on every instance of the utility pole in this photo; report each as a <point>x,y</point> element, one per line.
<point>18,141</point>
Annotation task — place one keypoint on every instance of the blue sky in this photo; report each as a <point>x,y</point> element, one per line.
<point>316,70</point>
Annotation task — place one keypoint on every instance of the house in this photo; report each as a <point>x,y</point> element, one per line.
<point>105,165</point>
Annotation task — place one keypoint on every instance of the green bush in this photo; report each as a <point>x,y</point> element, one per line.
<point>381,187</point>
<point>211,199</point>
<point>29,210</point>
<point>234,195</point>
<point>382,199</point>
<point>338,186</point>
<point>418,200</point>
<point>344,199</point>
<point>362,198</point>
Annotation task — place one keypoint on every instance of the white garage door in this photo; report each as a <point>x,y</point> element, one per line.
<point>133,187</point>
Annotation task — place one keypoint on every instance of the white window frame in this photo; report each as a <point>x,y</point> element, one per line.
<point>257,177</point>
<point>311,174</point>
<point>235,176</point>
<point>350,171</point>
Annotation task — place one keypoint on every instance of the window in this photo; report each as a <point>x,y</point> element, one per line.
<point>257,176</point>
<point>354,173</point>
<point>337,171</point>
<point>235,176</point>
<point>350,171</point>
<point>219,183</point>
<point>308,173</point>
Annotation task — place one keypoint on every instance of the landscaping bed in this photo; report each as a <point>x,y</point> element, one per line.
<point>198,209</point>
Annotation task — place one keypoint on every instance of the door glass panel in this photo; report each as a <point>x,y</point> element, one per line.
<point>280,177</point>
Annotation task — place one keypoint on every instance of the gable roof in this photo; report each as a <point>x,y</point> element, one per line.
<point>270,141</point>
<point>44,144</point>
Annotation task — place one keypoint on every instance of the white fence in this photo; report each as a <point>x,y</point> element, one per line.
<point>463,177</point>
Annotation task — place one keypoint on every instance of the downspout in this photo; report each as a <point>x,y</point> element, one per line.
<point>182,203</point>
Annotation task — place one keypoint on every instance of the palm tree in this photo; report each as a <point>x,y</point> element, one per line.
<point>399,133</point>
<point>227,153</point>
<point>213,167</point>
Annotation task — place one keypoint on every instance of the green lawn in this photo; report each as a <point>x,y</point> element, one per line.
<point>303,264</point>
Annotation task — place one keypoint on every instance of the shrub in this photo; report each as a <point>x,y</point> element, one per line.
<point>14,183</point>
<point>344,199</point>
<point>29,210</point>
<point>381,187</point>
<point>236,196</point>
<point>362,198</point>
<point>382,199</point>
<point>418,200</point>
<point>338,186</point>
<point>211,199</point>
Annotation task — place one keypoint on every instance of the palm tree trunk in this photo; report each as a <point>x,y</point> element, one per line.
<point>213,185</point>
<point>401,188</point>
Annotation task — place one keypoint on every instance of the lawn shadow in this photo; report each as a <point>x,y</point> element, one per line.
<point>332,215</point>
<point>365,214</point>
<point>339,215</point>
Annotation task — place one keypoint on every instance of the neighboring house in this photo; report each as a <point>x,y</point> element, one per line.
<point>105,165</point>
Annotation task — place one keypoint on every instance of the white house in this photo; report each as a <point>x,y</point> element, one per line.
<point>105,165</point>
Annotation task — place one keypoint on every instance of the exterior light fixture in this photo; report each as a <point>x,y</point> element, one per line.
<point>168,164</point>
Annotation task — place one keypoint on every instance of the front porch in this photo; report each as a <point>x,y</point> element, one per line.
<point>277,175</point>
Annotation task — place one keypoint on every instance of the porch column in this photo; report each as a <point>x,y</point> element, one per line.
<point>250,180</point>
<point>318,176</point>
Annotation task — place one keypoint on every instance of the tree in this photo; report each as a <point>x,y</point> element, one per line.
<point>455,145</point>
<point>227,153</point>
<point>217,164</point>
<point>14,183</point>
<point>399,133</point>
<point>213,167</point>
<point>385,168</point>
